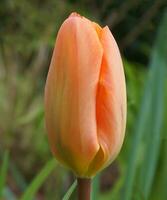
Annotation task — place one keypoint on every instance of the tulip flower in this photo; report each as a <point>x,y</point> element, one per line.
<point>85,97</point>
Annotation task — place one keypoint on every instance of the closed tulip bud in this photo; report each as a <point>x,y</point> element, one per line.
<point>85,97</point>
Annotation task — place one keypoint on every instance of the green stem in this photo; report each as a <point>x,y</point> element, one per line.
<point>84,189</point>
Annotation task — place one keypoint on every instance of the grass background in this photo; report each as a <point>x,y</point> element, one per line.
<point>27,35</point>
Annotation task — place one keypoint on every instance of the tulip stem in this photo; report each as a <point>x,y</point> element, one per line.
<point>84,188</point>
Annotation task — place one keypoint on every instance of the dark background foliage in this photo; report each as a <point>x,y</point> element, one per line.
<point>27,35</point>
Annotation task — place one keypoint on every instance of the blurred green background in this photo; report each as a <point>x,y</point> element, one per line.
<point>27,35</point>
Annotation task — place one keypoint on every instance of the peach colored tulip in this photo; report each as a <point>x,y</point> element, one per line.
<point>85,97</point>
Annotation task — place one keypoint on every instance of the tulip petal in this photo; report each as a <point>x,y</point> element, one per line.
<point>111,99</point>
<point>98,29</point>
<point>70,94</point>
<point>110,103</point>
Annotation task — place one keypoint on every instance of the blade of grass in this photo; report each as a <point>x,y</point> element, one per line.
<point>70,191</point>
<point>8,194</point>
<point>159,188</point>
<point>95,187</point>
<point>153,142</point>
<point>39,180</point>
<point>3,172</point>
<point>139,130</point>
<point>17,176</point>
<point>142,120</point>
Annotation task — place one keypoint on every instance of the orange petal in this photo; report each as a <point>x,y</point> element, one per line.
<point>111,99</point>
<point>75,14</point>
<point>98,29</point>
<point>110,104</point>
<point>70,94</point>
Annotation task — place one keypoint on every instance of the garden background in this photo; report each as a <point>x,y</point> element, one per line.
<point>27,35</point>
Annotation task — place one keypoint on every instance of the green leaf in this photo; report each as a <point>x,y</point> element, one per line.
<point>149,123</point>
<point>139,130</point>
<point>3,172</point>
<point>160,181</point>
<point>95,187</point>
<point>39,180</point>
<point>17,176</point>
<point>154,140</point>
<point>70,191</point>
<point>159,189</point>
